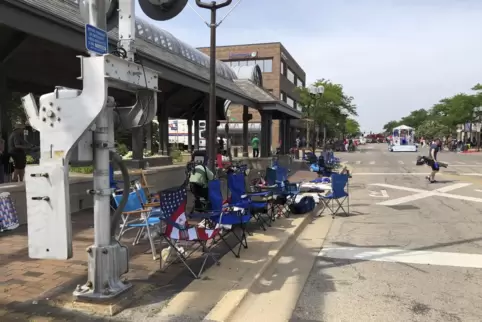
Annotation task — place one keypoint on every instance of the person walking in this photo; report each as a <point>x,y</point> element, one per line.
<point>432,160</point>
<point>255,146</point>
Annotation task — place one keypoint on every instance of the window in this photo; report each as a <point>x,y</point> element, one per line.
<point>266,65</point>
<point>299,83</point>
<point>282,67</point>
<point>290,75</point>
<point>290,102</point>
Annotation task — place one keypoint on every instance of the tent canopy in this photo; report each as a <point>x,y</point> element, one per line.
<point>403,127</point>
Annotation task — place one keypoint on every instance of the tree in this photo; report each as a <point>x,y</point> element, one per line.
<point>390,126</point>
<point>432,129</point>
<point>352,127</point>
<point>328,111</point>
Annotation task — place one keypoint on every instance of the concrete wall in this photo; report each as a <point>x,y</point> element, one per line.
<point>158,178</point>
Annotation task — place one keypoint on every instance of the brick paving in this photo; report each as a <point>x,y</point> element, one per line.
<point>28,286</point>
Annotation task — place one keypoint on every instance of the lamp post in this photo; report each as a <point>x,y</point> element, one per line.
<point>315,92</point>
<point>213,6</point>
<point>477,114</point>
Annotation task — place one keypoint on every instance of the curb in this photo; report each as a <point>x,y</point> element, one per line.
<point>226,307</point>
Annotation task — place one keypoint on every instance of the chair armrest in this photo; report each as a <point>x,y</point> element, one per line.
<point>136,212</point>
<point>152,204</point>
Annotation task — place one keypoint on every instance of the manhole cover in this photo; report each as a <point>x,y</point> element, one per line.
<point>404,207</point>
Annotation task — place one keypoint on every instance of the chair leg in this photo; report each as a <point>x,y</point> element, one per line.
<point>151,241</point>
<point>138,236</point>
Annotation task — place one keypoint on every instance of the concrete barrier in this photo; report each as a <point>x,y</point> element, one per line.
<point>158,178</point>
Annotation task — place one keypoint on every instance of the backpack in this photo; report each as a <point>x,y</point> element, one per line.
<point>304,206</point>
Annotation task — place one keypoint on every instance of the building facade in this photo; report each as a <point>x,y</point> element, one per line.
<point>281,76</point>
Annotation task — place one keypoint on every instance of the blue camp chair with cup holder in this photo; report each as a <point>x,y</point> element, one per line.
<point>257,203</point>
<point>338,197</point>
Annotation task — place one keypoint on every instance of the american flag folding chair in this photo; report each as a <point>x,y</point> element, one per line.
<point>173,205</point>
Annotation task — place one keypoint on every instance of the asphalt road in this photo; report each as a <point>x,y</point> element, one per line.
<point>410,251</point>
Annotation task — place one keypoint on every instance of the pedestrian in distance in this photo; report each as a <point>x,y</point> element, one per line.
<point>255,146</point>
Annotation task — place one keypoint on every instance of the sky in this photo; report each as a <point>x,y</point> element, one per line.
<point>392,56</point>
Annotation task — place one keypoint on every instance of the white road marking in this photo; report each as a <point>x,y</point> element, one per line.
<point>471,174</point>
<point>421,194</point>
<point>381,194</point>
<point>404,256</point>
<point>358,162</point>
<point>462,165</point>
<point>391,174</point>
<point>458,162</point>
<point>478,190</point>
<point>372,162</point>
<point>401,162</point>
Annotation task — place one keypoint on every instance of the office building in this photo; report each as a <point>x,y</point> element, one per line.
<point>281,76</point>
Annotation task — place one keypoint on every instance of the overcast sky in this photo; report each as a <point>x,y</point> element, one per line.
<point>392,56</point>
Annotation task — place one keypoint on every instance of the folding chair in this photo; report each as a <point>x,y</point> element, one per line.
<point>228,217</point>
<point>334,201</point>
<point>257,202</point>
<point>173,204</point>
<point>144,219</point>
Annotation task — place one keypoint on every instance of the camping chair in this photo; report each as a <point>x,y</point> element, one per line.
<point>334,201</point>
<point>173,205</point>
<point>288,192</point>
<point>145,219</point>
<point>228,217</point>
<point>257,202</point>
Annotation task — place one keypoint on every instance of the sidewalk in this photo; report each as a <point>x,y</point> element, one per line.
<point>42,289</point>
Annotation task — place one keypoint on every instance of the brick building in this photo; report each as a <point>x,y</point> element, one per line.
<point>281,75</point>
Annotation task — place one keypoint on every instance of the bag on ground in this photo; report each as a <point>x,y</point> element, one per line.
<point>303,206</point>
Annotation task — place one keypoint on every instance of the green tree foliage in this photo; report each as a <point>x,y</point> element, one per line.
<point>443,117</point>
<point>352,127</point>
<point>388,128</point>
<point>432,129</point>
<point>329,110</point>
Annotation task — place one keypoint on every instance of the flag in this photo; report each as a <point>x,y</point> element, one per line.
<point>173,204</point>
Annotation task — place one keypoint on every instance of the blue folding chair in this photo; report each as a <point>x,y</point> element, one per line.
<point>256,202</point>
<point>145,219</point>
<point>335,200</point>
<point>228,217</point>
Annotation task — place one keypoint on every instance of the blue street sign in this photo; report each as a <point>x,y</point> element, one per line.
<point>96,40</point>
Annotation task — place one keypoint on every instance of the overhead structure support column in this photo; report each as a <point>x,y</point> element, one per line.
<point>246,118</point>
<point>138,145</point>
<point>266,124</point>
<point>189,132</point>
<point>163,119</point>
<point>196,134</point>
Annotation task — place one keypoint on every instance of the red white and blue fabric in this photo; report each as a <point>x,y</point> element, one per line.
<point>174,202</point>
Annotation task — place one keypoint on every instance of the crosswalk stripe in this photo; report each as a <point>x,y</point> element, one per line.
<point>458,162</point>
<point>372,162</point>
<point>358,162</point>
<point>401,162</point>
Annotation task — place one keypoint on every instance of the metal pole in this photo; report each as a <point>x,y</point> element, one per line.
<point>212,128</point>
<point>101,180</point>
<point>212,119</point>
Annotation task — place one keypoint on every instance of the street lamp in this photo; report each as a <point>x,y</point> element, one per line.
<point>213,6</point>
<point>315,92</point>
<point>477,114</point>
